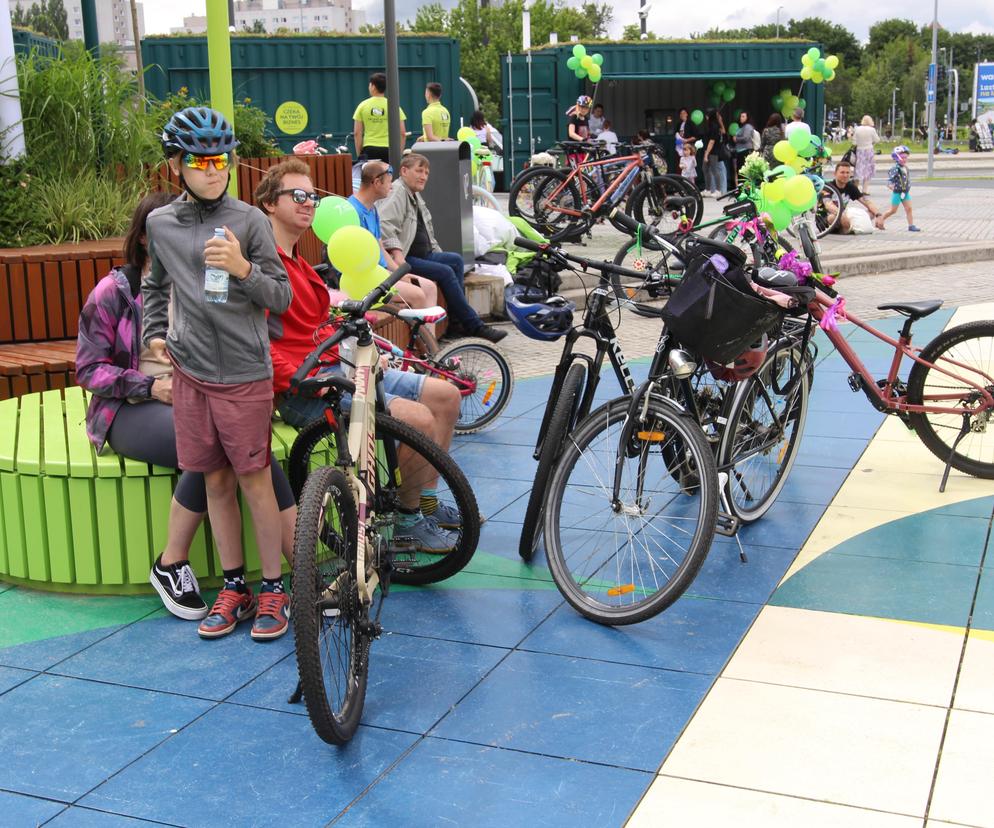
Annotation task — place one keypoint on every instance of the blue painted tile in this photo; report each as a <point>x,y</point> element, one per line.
<point>27,810</point>
<point>584,718</point>
<point>282,769</point>
<point>501,539</point>
<point>76,817</point>
<point>498,617</point>
<point>10,677</point>
<point>926,536</point>
<point>831,392</point>
<point>882,588</point>
<point>500,498</point>
<point>857,425</point>
<point>786,525</point>
<point>812,484</point>
<point>59,720</point>
<point>413,681</point>
<point>508,463</point>
<point>983,612</point>
<point>693,635</point>
<point>528,394</point>
<point>829,452</point>
<point>724,576</point>
<point>41,655</point>
<point>982,507</point>
<point>167,654</point>
<point>515,431</point>
<point>451,783</point>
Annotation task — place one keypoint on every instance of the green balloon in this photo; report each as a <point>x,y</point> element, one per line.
<point>780,213</point>
<point>800,138</point>
<point>581,73</point>
<point>599,59</point>
<point>733,130</point>
<point>802,103</point>
<point>332,214</point>
<point>594,73</point>
<point>697,116</point>
<point>579,50</point>
<point>572,63</point>
<point>728,95</point>
<point>814,53</point>
<point>735,114</point>
<point>714,100</point>
<point>719,87</point>
<point>829,73</point>
<point>777,101</point>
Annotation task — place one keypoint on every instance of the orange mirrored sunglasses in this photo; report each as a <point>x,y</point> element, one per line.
<point>200,162</point>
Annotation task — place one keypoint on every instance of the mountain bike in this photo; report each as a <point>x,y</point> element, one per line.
<point>367,472</point>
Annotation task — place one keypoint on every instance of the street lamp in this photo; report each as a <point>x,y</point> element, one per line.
<point>930,96</point>
<point>893,109</point>
<point>526,45</point>
<point>643,18</point>
<point>779,9</point>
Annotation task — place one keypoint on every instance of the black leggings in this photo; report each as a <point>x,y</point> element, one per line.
<point>146,432</point>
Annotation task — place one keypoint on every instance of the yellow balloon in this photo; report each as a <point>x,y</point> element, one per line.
<point>586,62</point>
<point>358,284</point>
<point>774,190</point>
<point>798,191</point>
<point>832,62</point>
<point>782,151</point>
<point>353,250</point>
<point>817,77</point>
<point>465,133</point>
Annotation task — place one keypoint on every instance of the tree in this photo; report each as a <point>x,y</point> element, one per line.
<point>47,17</point>
<point>257,27</point>
<point>633,31</point>
<point>600,17</point>
<point>887,31</point>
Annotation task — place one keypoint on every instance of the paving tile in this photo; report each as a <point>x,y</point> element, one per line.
<point>724,576</point>
<point>512,463</point>
<point>167,654</point>
<point>829,452</point>
<point>786,525</point>
<point>413,681</point>
<point>812,484</point>
<point>849,654</point>
<point>983,611</point>
<point>450,783</point>
<point>908,491</point>
<point>962,785</point>
<point>585,718</point>
<point>5,586</point>
<point>845,749</point>
<point>10,677</point>
<point>67,719</point>
<point>76,817</point>
<point>44,654</point>
<point>27,810</point>
<point>300,774</point>
<point>694,635</point>
<point>975,689</point>
<point>515,431</point>
<point>498,617</point>
<point>882,588</point>
<point>500,499</point>
<point>672,801</point>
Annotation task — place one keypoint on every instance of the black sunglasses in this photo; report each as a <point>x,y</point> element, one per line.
<point>300,196</point>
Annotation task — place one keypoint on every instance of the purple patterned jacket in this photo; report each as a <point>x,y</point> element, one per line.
<point>107,352</point>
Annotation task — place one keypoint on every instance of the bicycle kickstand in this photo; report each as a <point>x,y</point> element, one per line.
<point>728,524</point>
<point>297,695</point>
<point>952,451</point>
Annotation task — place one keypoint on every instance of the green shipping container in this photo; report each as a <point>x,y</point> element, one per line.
<point>25,41</point>
<point>328,76</point>
<point>644,85</point>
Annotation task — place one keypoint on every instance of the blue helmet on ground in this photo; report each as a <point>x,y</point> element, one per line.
<point>536,315</point>
<point>198,130</point>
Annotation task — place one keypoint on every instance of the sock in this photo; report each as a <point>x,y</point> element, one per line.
<point>408,517</point>
<point>429,501</point>
<point>235,579</point>
<point>275,585</point>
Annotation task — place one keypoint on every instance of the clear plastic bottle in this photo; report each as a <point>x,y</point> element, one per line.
<point>215,279</point>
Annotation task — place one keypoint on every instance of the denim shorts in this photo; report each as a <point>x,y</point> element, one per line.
<point>299,411</point>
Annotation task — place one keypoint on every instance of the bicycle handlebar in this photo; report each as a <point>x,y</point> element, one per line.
<point>604,267</point>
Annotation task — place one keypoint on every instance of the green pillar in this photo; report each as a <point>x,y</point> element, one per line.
<point>219,65</point>
<point>91,37</point>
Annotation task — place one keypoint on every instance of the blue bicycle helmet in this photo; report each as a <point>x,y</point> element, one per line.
<point>545,319</point>
<point>198,130</point>
<point>899,150</point>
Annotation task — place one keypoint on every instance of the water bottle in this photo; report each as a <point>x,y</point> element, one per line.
<point>215,279</point>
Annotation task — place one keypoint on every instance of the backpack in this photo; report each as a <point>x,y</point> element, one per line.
<point>757,139</point>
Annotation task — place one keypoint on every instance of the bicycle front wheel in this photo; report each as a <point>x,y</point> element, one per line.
<point>967,352</point>
<point>622,562</point>
<point>762,432</point>
<point>825,221</point>
<point>484,198</point>
<point>484,378</point>
<point>330,635</point>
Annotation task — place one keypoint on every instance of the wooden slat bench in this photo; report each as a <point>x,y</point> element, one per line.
<point>75,521</point>
<point>36,366</point>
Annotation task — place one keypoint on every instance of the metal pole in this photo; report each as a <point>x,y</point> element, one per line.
<point>893,109</point>
<point>11,125</point>
<point>393,83</point>
<point>139,65</point>
<point>931,104</point>
<point>914,119</point>
<point>510,110</point>
<point>779,9</point>
<point>643,15</point>
<point>91,37</point>
<point>526,44</point>
<point>949,85</point>
<point>955,101</point>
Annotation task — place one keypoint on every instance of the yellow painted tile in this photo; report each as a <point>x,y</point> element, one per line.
<point>975,690</point>
<point>971,313</point>
<point>685,802</point>
<point>963,785</point>
<point>868,753</point>
<point>908,492</point>
<point>848,654</point>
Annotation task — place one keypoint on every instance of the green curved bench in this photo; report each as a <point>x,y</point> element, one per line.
<point>75,521</point>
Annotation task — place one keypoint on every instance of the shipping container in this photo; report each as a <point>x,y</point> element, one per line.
<point>327,76</point>
<point>25,41</point>
<point>644,85</point>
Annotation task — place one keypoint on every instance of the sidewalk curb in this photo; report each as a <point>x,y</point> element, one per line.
<point>908,260</point>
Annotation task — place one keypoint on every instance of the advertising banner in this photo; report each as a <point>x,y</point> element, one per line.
<point>983,93</point>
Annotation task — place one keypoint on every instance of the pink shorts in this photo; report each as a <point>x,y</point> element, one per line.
<point>222,425</point>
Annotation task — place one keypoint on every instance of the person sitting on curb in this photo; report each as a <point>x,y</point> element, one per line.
<point>850,192</point>
<point>408,235</point>
<point>427,404</point>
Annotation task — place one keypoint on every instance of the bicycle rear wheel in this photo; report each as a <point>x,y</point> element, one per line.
<point>620,563</point>
<point>826,222</point>
<point>330,634</point>
<point>553,196</point>
<point>648,203</point>
<point>968,352</point>
<point>762,432</point>
<point>484,198</point>
<point>521,198</point>
<point>490,378</point>
<point>809,244</point>
<point>560,422</point>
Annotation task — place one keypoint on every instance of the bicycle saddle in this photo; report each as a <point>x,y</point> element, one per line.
<point>432,314</point>
<point>916,310</point>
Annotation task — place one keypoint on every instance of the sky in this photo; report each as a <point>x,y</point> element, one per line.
<point>680,19</point>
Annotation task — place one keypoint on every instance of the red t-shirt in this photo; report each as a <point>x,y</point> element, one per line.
<point>291,334</point>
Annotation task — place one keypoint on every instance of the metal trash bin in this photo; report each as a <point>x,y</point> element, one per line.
<point>449,194</point>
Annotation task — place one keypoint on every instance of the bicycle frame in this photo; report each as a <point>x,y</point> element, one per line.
<point>890,395</point>
<point>625,177</point>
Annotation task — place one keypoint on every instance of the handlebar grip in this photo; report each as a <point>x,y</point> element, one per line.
<point>626,220</point>
<point>304,370</point>
<point>528,244</point>
<point>383,288</point>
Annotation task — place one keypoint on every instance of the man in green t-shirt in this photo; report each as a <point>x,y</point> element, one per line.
<point>435,119</point>
<point>372,133</point>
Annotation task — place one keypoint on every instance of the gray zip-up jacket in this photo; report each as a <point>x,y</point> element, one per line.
<point>213,342</point>
<point>399,221</point>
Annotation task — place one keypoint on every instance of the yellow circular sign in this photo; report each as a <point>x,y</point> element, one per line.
<point>291,117</point>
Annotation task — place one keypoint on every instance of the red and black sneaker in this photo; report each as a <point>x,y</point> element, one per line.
<point>230,608</point>
<point>272,616</point>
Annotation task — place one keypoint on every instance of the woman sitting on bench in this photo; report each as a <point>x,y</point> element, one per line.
<point>131,411</point>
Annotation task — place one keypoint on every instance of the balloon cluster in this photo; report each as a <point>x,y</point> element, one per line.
<point>786,196</point>
<point>816,68</point>
<point>785,102</point>
<point>585,66</point>
<point>475,144</point>
<point>721,92</point>
<point>352,249</point>
<point>796,149</point>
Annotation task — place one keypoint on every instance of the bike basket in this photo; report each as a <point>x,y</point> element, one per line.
<point>715,313</point>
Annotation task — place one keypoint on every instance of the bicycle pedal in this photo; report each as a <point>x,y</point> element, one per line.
<point>727,525</point>
<point>854,383</point>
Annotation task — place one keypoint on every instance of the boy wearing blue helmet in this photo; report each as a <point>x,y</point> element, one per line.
<point>899,181</point>
<point>214,274</point>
